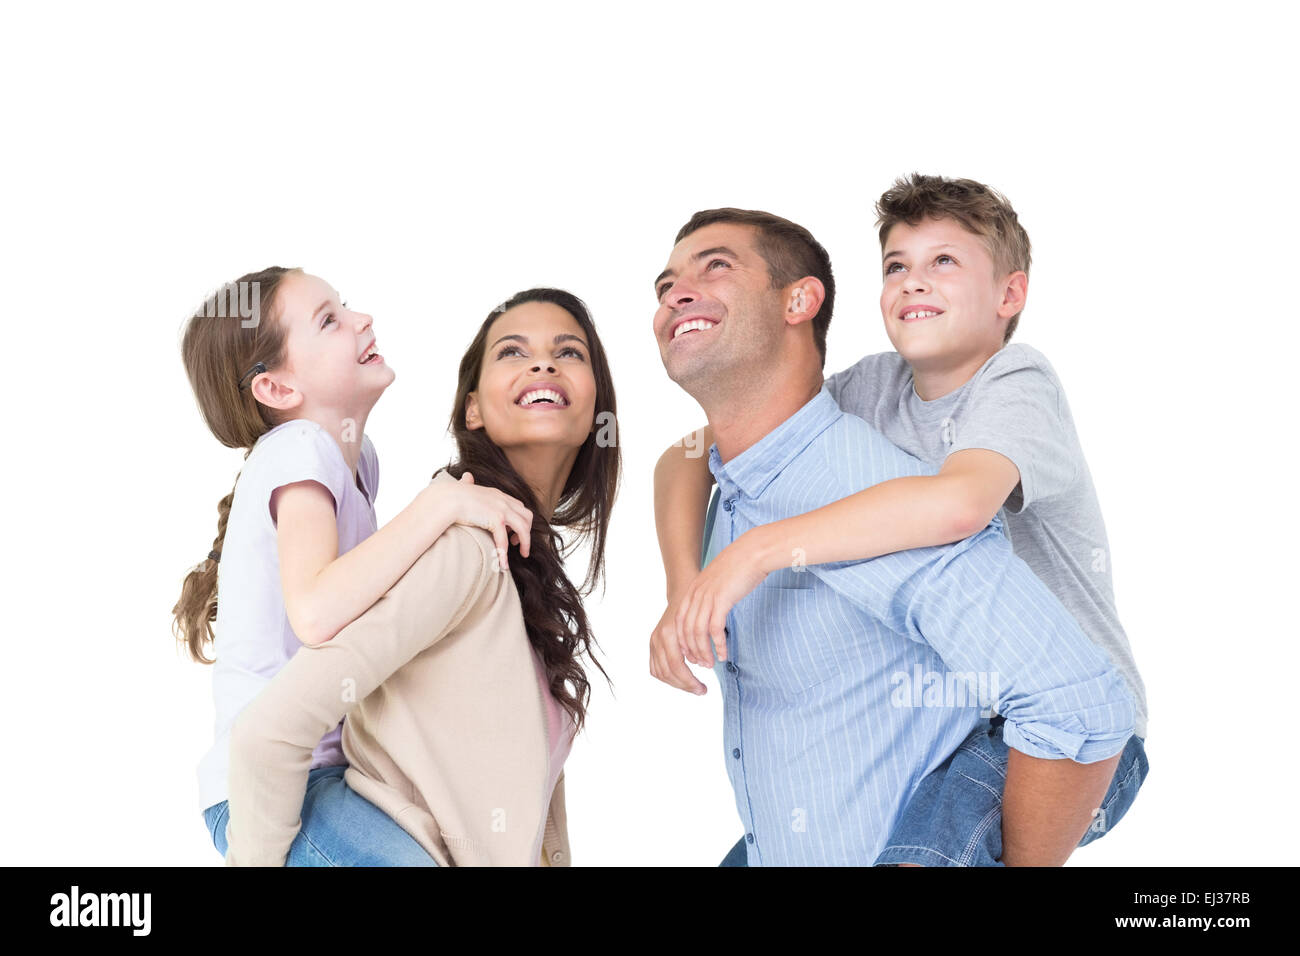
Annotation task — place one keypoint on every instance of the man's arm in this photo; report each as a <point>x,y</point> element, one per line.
<point>1047,806</point>
<point>985,612</point>
<point>894,515</point>
<point>1068,711</point>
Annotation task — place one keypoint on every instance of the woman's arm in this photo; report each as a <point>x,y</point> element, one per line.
<point>272,740</point>
<point>324,591</point>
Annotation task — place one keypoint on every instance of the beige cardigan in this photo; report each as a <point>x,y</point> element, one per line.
<point>445,729</point>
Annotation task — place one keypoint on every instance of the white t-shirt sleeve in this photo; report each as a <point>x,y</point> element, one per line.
<point>303,452</point>
<point>370,464</point>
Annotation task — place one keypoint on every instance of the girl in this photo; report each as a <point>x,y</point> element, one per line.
<point>292,375</point>
<point>465,687</point>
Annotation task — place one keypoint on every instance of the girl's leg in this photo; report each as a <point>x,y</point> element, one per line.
<point>215,817</point>
<point>339,828</point>
<point>342,828</point>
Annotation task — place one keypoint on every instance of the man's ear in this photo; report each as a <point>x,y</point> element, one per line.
<point>1015,289</point>
<point>804,299</point>
<point>472,419</point>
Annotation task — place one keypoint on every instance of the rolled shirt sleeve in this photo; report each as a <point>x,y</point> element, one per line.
<point>990,618</point>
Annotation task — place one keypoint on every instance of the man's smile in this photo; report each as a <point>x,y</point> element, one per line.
<point>691,326</point>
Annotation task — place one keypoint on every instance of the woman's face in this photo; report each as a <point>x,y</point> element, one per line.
<point>535,386</point>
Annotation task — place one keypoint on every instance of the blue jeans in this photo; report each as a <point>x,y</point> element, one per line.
<point>339,828</point>
<point>955,816</point>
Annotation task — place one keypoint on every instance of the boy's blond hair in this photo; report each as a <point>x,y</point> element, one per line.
<point>980,209</point>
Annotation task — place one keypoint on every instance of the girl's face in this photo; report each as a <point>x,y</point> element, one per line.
<point>535,386</point>
<point>326,344</point>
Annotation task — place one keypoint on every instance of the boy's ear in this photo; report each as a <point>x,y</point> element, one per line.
<point>1014,292</point>
<point>804,299</point>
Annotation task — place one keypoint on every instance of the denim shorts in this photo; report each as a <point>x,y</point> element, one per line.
<point>339,828</point>
<point>955,816</point>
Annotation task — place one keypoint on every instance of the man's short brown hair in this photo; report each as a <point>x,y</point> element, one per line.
<point>980,209</point>
<point>790,252</point>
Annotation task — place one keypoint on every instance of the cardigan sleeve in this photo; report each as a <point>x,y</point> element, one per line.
<point>272,739</point>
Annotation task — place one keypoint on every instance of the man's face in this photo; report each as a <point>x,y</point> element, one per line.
<point>943,301</point>
<point>717,311</point>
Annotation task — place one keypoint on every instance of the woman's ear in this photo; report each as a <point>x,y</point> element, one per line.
<point>472,420</point>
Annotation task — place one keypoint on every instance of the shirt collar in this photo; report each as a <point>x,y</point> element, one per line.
<point>755,468</point>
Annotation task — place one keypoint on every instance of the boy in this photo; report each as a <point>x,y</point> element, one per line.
<point>955,264</point>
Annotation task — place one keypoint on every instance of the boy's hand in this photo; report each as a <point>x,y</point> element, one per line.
<point>667,659</point>
<point>491,509</point>
<point>701,620</point>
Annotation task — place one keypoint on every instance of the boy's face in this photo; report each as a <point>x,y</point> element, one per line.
<point>943,301</point>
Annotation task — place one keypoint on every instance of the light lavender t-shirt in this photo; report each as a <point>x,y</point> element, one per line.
<point>253,636</point>
<point>1013,405</point>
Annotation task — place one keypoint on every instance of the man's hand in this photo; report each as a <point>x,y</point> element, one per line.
<point>667,659</point>
<point>702,616</point>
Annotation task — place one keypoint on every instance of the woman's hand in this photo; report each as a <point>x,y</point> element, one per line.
<point>488,508</point>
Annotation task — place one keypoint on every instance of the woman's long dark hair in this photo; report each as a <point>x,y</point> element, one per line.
<point>553,615</point>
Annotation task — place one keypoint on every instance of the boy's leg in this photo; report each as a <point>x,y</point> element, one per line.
<point>955,816</point>
<point>1129,777</point>
<point>737,855</point>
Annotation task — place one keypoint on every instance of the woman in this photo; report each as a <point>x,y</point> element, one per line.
<point>461,686</point>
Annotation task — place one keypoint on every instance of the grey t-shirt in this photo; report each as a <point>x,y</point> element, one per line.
<point>1013,405</point>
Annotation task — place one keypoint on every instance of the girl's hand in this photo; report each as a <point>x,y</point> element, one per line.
<point>492,510</point>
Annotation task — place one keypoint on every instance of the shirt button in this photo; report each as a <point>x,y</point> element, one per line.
<point>731,667</point>
<point>735,752</point>
<point>726,505</point>
<point>749,837</point>
<point>557,856</point>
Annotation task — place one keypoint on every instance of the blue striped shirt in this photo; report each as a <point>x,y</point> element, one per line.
<point>846,683</point>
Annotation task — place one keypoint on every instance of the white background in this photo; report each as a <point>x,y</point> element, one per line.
<point>429,163</point>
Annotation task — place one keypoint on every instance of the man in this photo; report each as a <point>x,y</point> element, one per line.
<point>846,683</point>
